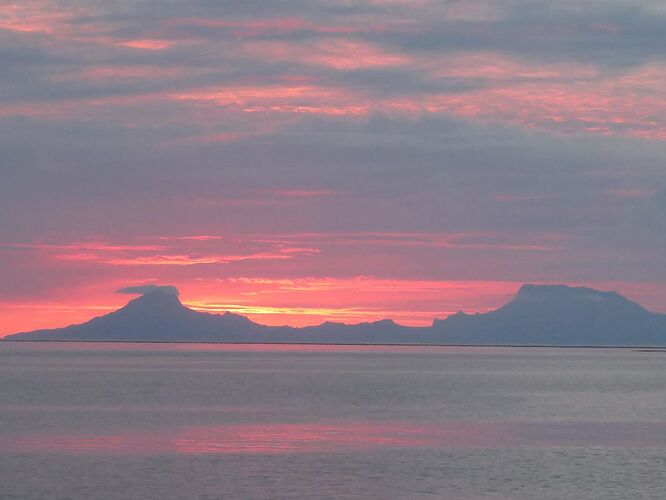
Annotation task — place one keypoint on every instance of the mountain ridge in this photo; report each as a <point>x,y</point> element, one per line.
<point>537,315</point>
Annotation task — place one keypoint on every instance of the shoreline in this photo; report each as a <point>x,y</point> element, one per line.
<point>639,348</point>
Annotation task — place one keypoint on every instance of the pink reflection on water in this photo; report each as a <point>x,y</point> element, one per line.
<point>264,439</point>
<point>349,436</point>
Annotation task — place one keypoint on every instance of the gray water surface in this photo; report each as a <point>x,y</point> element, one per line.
<point>84,420</point>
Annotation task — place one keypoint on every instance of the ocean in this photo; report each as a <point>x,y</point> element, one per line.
<point>208,421</point>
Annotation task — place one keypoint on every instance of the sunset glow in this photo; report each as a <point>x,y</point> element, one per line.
<point>328,162</point>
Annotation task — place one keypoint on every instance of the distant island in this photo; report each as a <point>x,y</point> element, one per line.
<point>539,315</point>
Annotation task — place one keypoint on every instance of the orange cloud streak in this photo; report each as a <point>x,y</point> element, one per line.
<point>147,44</point>
<point>310,301</point>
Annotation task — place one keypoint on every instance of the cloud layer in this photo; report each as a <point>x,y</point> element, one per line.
<point>368,141</point>
<point>144,289</point>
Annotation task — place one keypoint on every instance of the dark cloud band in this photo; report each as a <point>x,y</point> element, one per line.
<point>143,289</point>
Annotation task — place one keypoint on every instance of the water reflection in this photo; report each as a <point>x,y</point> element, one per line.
<point>162,347</point>
<point>357,436</point>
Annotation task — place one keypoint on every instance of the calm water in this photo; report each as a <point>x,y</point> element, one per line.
<point>202,421</point>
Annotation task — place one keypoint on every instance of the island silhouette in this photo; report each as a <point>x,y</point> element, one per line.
<point>539,315</point>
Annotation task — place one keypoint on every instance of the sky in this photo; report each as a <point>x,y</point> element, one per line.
<point>299,161</point>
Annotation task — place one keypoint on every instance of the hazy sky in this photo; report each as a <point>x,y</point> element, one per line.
<point>302,160</point>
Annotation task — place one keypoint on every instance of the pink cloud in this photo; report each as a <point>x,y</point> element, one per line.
<point>166,254</point>
<point>305,193</point>
<point>630,104</point>
<point>147,44</point>
<point>33,16</point>
<point>488,240</point>
<point>252,28</point>
<point>335,53</point>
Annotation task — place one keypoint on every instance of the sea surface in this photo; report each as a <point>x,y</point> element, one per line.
<point>202,421</point>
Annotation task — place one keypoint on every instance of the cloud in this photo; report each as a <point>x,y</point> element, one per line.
<point>527,119</point>
<point>143,289</point>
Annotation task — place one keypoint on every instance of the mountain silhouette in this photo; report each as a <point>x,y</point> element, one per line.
<point>154,316</point>
<point>538,315</point>
<point>559,315</point>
